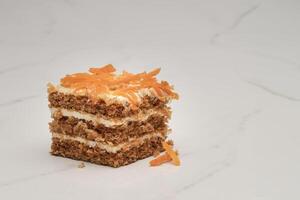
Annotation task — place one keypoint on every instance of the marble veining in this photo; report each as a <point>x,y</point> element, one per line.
<point>280,59</point>
<point>238,20</point>
<point>23,180</point>
<point>18,100</point>
<point>14,68</point>
<point>234,63</point>
<point>246,118</point>
<point>272,92</point>
<point>211,170</point>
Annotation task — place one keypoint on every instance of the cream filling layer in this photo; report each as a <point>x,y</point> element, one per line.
<point>107,122</point>
<point>107,147</point>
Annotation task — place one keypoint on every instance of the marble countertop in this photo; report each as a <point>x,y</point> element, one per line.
<point>235,63</point>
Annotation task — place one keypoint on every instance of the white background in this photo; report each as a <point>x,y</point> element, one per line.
<point>236,65</point>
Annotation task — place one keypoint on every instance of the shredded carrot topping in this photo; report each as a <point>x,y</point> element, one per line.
<point>104,80</point>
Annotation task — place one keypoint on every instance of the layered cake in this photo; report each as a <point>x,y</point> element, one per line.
<point>108,118</point>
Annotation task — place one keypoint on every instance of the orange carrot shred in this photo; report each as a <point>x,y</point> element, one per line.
<point>160,160</point>
<point>154,72</point>
<point>109,68</point>
<point>171,153</point>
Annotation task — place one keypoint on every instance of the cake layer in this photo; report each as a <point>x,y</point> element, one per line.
<point>100,107</point>
<point>108,97</point>
<point>79,151</point>
<point>112,135</point>
<point>111,148</point>
<point>109,122</point>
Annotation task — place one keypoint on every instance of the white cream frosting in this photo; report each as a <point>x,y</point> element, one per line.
<point>106,122</point>
<point>107,147</point>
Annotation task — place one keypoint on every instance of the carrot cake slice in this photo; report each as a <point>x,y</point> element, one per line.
<point>108,118</point>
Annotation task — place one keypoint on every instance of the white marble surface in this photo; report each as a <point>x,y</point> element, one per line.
<point>235,63</point>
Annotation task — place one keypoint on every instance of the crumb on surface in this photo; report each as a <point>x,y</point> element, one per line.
<point>81,165</point>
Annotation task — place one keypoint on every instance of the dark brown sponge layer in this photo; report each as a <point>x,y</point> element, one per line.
<point>112,135</point>
<point>78,151</point>
<point>115,110</point>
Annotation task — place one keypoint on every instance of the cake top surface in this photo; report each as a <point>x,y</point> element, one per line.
<point>105,81</point>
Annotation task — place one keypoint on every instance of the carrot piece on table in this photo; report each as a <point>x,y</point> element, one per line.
<point>171,153</point>
<point>160,160</point>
